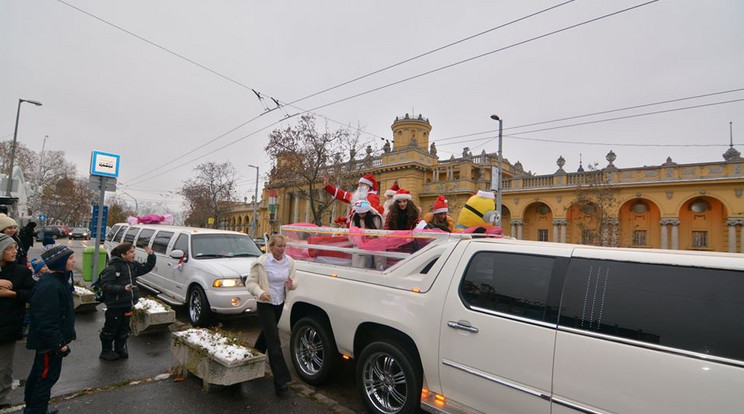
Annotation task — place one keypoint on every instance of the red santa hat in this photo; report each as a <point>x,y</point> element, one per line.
<point>370,180</point>
<point>440,205</point>
<point>392,190</point>
<point>402,195</point>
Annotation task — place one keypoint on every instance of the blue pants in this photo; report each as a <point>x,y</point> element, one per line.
<point>44,374</point>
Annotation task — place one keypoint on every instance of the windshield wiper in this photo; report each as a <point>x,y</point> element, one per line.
<point>246,255</point>
<point>209,255</point>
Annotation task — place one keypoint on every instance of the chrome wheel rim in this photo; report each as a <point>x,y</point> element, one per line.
<point>384,383</point>
<point>309,351</point>
<point>195,308</point>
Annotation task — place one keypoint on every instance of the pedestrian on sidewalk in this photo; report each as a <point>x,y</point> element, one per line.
<point>120,293</point>
<point>52,328</point>
<point>272,274</point>
<point>16,284</point>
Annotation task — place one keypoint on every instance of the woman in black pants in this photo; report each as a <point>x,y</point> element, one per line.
<point>271,276</point>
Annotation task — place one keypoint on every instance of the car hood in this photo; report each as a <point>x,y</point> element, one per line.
<point>226,267</point>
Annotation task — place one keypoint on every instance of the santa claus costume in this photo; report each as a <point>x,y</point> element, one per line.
<point>367,190</point>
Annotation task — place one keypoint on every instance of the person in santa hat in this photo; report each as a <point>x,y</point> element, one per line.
<point>439,218</point>
<point>403,215</point>
<point>388,203</point>
<point>367,190</point>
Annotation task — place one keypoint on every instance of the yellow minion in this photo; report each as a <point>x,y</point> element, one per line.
<point>479,211</point>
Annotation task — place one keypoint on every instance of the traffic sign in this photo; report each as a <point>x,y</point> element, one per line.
<point>104,164</point>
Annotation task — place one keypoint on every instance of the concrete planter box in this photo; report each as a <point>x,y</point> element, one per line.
<point>83,300</point>
<point>148,320</point>
<point>213,369</point>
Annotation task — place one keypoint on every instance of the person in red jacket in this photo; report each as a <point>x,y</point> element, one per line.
<point>367,190</point>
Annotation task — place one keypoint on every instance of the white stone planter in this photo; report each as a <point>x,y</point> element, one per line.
<point>209,362</point>
<point>152,317</point>
<point>83,300</point>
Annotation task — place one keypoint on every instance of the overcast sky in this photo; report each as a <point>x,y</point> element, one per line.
<point>154,81</point>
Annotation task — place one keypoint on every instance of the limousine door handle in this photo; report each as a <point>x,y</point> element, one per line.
<point>465,326</point>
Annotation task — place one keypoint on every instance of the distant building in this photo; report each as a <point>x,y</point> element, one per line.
<point>20,196</point>
<point>669,206</point>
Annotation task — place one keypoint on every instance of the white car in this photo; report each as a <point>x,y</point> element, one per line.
<point>204,269</point>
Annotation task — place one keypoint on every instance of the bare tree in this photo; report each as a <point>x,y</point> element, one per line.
<point>595,208</point>
<point>209,194</point>
<point>69,200</point>
<point>25,159</point>
<point>303,156</point>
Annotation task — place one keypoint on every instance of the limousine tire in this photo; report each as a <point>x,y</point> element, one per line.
<point>199,312</point>
<point>313,351</point>
<point>388,379</point>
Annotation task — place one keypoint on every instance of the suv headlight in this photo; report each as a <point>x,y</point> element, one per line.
<point>228,283</point>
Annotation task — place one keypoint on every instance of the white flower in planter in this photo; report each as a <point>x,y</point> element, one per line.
<point>215,344</point>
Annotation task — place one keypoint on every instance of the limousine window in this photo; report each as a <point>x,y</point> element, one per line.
<point>129,236</point>
<point>516,284</point>
<point>694,309</point>
<point>144,237</point>
<point>112,233</point>
<point>119,233</point>
<point>182,243</point>
<point>208,246</point>
<point>160,244</point>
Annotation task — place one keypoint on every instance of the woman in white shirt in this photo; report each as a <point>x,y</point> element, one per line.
<point>271,276</point>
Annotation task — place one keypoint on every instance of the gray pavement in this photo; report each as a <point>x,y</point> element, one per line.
<point>143,383</point>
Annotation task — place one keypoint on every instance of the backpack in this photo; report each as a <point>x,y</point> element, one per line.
<point>96,286</point>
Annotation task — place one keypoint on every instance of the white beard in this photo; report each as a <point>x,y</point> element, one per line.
<point>359,194</point>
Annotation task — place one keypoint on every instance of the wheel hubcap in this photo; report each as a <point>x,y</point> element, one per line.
<point>385,383</point>
<point>195,308</point>
<point>310,351</point>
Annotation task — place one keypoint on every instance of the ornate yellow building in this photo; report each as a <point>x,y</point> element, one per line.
<point>669,206</point>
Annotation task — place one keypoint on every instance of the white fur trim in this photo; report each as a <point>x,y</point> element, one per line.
<point>486,194</point>
<point>390,193</point>
<point>402,197</point>
<point>368,182</point>
<point>441,210</point>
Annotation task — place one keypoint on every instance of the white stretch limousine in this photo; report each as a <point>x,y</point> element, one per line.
<point>203,268</point>
<point>509,326</point>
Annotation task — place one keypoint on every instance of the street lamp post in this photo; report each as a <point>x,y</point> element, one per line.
<point>13,147</point>
<point>499,184</point>
<point>255,206</point>
<point>136,205</point>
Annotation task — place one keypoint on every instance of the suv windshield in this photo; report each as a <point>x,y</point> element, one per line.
<point>209,246</point>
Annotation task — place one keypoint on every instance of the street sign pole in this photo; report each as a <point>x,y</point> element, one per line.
<point>99,225</point>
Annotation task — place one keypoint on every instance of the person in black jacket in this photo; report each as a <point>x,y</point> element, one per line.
<point>16,283</point>
<point>52,328</point>
<point>120,293</point>
<point>27,235</point>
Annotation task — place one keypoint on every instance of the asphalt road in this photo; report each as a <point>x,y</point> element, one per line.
<point>143,382</point>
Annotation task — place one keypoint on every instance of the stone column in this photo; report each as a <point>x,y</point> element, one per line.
<point>665,232</point>
<point>559,230</point>
<point>675,234</point>
<point>732,223</point>
<point>295,209</point>
<point>517,228</point>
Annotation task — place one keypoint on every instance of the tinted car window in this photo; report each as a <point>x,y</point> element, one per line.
<point>160,244</point>
<point>112,232</point>
<point>144,237</point>
<point>695,309</point>
<point>206,246</point>
<point>182,243</point>
<point>508,283</point>
<point>120,233</point>
<point>129,235</point>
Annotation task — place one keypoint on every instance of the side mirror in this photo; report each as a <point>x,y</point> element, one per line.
<point>177,254</point>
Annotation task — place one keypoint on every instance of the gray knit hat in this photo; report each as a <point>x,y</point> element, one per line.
<point>5,242</point>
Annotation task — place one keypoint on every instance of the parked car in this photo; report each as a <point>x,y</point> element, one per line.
<point>204,269</point>
<point>80,233</point>
<point>54,232</point>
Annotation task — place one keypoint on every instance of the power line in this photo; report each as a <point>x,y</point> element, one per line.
<point>448,45</point>
<point>481,55</point>
<point>593,114</point>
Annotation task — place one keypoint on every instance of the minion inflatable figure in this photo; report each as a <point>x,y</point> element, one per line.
<point>479,215</point>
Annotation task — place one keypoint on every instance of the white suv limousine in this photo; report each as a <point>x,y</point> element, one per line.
<point>202,268</point>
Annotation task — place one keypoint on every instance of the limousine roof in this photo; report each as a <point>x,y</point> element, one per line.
<point>693,258</point>
<point>182,229</point>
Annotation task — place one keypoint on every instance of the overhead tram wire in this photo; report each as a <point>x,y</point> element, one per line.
<point>601,121</point>
<point>429,72</point>
<point>593,114</point>
<point>448,45</point>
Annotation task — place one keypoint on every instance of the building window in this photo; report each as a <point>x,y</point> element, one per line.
<point>639,237</point>
<point>699,239</point>
<point>542,235</point>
